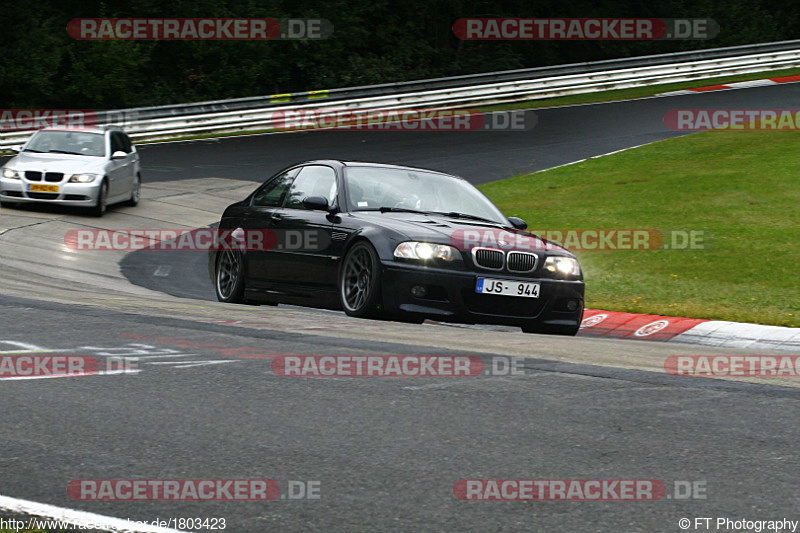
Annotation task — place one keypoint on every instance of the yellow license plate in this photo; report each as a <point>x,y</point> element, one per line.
<point>35,187</point>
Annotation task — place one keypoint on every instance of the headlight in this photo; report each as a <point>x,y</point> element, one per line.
<point>425,251</point>
<point>566,266</point>
<point>10,174</point>
<point>82,178</point>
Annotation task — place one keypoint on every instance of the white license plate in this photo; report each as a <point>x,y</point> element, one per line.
<point>507,287</point>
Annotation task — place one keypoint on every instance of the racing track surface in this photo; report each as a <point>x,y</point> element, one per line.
<point>202,403</point>
<point>560,135</point>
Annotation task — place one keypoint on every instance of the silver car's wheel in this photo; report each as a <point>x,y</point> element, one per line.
<point>101,205</point>
<point>359,283</point>
<point>230,276</point>
<point>136,192</point>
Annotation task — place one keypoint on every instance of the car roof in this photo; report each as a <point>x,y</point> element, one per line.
<point>344,163</point>
<point>92,129</point>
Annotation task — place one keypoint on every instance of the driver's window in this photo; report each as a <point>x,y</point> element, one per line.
<point>314,180</point>
<point>273,192</point>
<point>116,143</point>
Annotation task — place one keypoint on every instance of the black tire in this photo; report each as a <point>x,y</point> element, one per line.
<point>360,283</point>
<point>101,205</point>
<point>8,205</point>
<point>135,193</point>
<point>229,277</point>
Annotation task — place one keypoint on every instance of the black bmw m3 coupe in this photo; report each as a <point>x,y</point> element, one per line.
<point>386,241</point>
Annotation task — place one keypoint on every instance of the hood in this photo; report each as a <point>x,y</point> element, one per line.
<point>463,234</point>
<point>68,164</point>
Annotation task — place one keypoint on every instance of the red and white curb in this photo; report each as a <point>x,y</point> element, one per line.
<point>614,324</point>
<point>735,85</point>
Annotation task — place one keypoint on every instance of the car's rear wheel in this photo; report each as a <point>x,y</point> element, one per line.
<point>135,192</point>
<point>230,276</point>
<point>359,282</point>
<point>101,205</point>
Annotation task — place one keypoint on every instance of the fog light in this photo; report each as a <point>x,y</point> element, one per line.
<point>572,305</point>
<point>418,291</point>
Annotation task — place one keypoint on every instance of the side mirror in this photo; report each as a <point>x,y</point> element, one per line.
<point>119,154</point>
<point>518,223</point>
<point>315,203</point>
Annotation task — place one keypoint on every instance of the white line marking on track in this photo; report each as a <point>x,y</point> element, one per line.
<point>189,364</point>
<point>72,516</point>
<point>98,373</point>
<point>599,156</point>
<point>24,347</point>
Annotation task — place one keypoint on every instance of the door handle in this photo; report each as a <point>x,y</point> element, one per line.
<point>276,217</point>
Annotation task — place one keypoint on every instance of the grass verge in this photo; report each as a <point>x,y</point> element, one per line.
<point>740,185</point>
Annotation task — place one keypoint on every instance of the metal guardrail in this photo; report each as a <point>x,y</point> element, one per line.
<point>254,113</point>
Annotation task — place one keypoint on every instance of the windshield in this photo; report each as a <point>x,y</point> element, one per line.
<point>376,188</point>
<point>67,142</point>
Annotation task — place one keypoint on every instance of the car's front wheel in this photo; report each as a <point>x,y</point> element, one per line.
<point>359,282</point>
<point>230,276</point>
<point>101,204</point>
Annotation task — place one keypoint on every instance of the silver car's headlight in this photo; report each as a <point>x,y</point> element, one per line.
<point>566,266</point>
<point>425,251</point>
<point>10,174</point>
<point>82,178</point>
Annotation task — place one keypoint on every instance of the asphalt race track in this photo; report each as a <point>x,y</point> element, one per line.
<point>199,399</point>
<point>560,135</point>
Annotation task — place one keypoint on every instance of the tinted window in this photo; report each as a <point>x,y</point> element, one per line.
<point>314,180</point>
<point>117,143</point>
<point>376,187</point>
<point>273,192</point>
<point>126,142</point>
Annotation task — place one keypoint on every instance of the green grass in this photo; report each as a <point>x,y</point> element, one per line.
<point>743,186</point>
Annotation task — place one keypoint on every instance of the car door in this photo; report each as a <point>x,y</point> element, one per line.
<point>258,216</point>
<point>303,258</point>
<point>119,170</point>
<point>133,157</point>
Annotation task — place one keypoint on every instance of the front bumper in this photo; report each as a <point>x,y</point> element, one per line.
<point>451,297</point>
<point>78,194</point>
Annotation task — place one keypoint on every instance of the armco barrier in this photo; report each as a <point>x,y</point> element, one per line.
<point>255,113</point>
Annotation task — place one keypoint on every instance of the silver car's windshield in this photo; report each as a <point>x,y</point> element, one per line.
<point>67,142</point>
<point>388,189</point>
